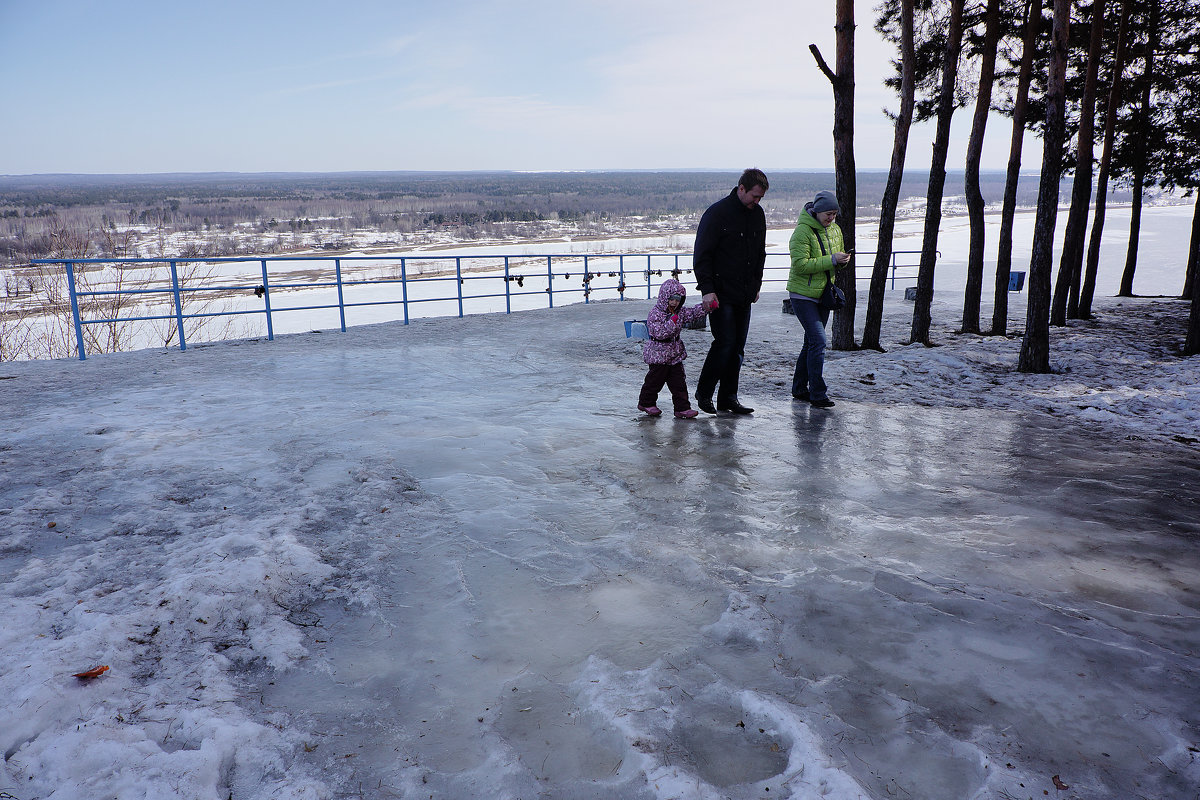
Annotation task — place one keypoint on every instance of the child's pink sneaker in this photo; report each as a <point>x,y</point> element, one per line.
<point>691,412</point>
<point>653,411</point>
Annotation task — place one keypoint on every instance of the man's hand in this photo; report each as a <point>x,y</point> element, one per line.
<point>710,301</point>
<point>841,258</point>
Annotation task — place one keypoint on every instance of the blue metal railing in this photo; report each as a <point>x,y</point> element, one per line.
<point>499,276</point>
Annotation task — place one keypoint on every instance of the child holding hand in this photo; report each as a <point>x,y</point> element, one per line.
<point>664,350</point>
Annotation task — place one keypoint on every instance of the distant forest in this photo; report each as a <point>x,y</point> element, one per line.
<point>565,194</point>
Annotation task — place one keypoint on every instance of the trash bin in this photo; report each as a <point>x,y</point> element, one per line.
<point>636,329</point>
<point>1016,281</point>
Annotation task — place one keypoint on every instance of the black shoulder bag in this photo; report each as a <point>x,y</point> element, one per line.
<point>833,298</point>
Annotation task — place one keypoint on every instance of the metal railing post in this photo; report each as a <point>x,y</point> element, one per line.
<point>508,294</point>
<point>267,302</point>
<point>458,274</point>
<point>75,310</point>
<point>507,291</point>
<point>404,286</point>
<point>550,279</point>
<point>621,276</point>
<point>178,305</point>
<point>337,268</point>
<point>587,290</point>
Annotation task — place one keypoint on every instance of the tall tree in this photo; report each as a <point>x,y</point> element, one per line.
<point>843,160</point>
<point>937,177</point>
<point>1032,27</point>
<point>1140,151</point>
<point>1066,290</point>
<point>975,204</point>
<point>1116,85</point>
<point>891,193</point>
<point>1177,129</point>
<point>1035,347</point>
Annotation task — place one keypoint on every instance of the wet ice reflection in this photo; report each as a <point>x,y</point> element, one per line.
<point>871,602</point>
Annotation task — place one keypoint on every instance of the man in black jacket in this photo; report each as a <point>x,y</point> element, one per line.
<point>731,248</point>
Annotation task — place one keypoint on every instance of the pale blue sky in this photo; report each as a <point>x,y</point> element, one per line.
<point>129,86</point>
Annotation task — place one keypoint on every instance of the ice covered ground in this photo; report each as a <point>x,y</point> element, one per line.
<point>451,560</point>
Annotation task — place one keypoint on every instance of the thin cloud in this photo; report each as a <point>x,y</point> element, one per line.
<point>322,86</point>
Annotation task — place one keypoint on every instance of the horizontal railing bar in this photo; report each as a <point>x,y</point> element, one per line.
<point>539,257</point>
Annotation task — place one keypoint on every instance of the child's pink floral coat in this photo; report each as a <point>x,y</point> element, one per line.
<point>664,345</point>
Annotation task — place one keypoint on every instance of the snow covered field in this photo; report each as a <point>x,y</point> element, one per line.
<point>451,560</point>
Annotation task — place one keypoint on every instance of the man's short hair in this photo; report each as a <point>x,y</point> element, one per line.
<point>754,177</point>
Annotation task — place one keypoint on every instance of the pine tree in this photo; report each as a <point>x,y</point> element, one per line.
<point>1035,347</point>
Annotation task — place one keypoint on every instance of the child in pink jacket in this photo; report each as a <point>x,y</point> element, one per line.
<point>664,350</point>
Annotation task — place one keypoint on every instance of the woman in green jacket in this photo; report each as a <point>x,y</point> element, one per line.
<point>816,249</point>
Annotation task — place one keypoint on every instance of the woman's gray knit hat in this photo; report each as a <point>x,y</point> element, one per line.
<point>825,201</point>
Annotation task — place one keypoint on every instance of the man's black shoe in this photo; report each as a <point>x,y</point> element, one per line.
<point>823,403</point>
<point>705,405</point>
<point>736,408</point>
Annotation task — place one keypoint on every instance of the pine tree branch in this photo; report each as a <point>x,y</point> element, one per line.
<point>822,65</point>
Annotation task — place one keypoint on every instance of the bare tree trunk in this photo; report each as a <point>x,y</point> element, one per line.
<point>983,105</point>
<point>1033,20</point>
<point>1088,290</point>
<point>937,178</point>
<point>1191,345</point>
<point>1135,231</point>
<point>1035,347</point>
<point>843,158</point>
<point>1189,279</point>
<point>891,193</point>
<point>1140,155</point>
<point>1070,265</point>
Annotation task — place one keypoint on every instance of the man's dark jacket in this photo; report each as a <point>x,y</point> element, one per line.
<point>731,248</point>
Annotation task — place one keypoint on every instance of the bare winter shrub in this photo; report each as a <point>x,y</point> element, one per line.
<point>36,319</point>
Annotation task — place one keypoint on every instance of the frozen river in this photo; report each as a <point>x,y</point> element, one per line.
<point>305,294</point>
<point>450,560</point>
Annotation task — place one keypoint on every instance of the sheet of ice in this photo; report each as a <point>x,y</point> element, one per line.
<point>450,559</point>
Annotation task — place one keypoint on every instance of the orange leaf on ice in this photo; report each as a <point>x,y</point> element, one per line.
<point>94,672</point>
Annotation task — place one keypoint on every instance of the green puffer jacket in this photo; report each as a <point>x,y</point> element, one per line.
<point>810,265</point>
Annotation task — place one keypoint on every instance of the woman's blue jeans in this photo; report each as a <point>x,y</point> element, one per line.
<point>810,364</point>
